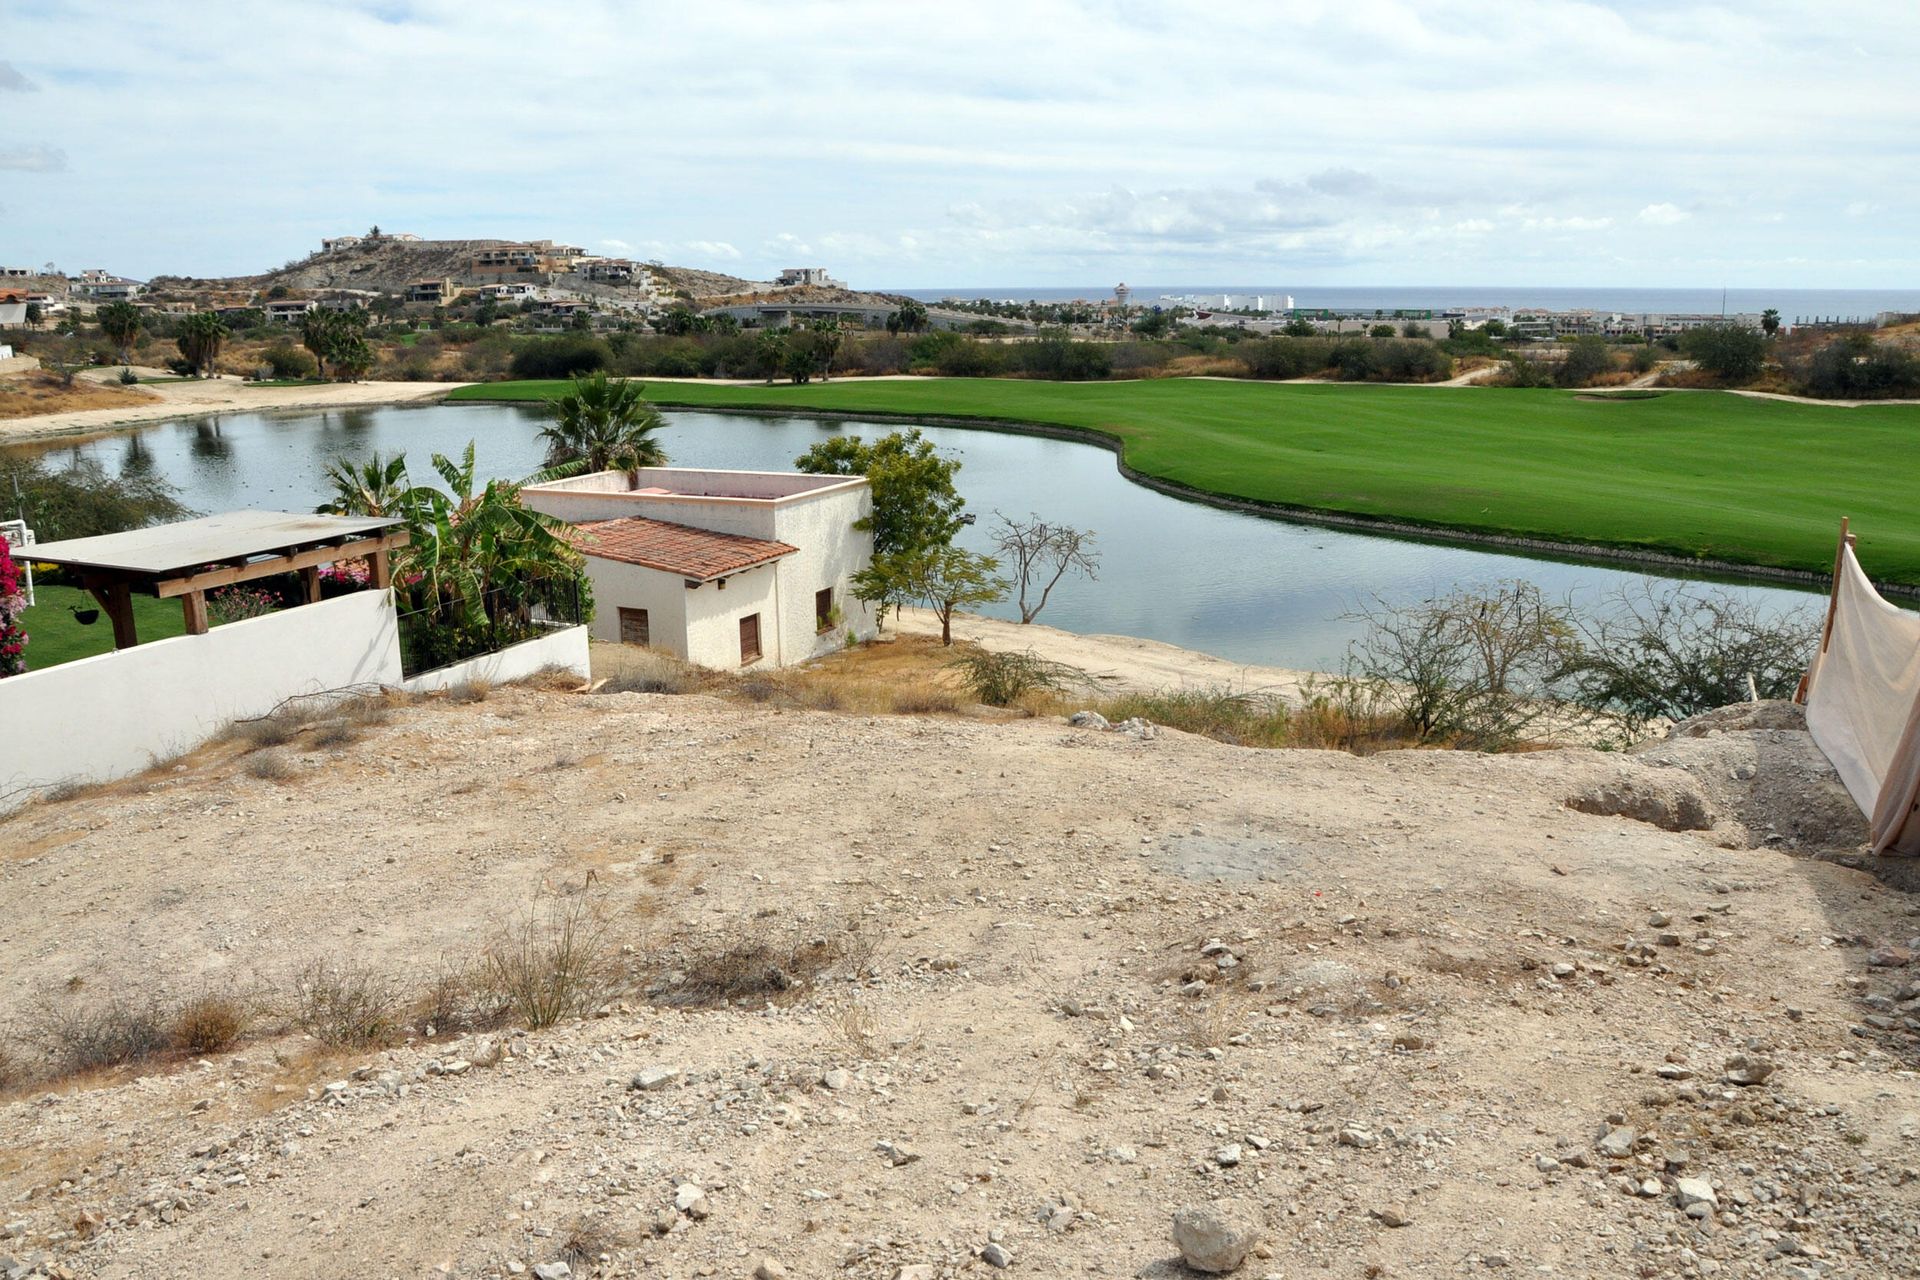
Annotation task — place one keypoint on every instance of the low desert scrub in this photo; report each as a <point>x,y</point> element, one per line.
<point>472,689</point>
<point>113,1033</point>
<point>1002,679</point>
<point>925,699</point>
<point>334,733</point>
<point>13,1069</point>
<point>1238,719</point>
<point>757,969</point>
<point>274,730</point>
<point>270,766</point>
<point>854,1023</point>
<point>662,680</point>
<point>554,962</point>
<point>210,1022</point>
<point>344,1005</point>
<point>458,999</point>
<point>590,1239</point>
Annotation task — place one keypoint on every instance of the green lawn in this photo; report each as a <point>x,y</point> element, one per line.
<point>55,635</point>
<point>1702,474</point>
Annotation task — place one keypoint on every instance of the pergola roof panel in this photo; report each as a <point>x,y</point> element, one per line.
<point>169,549</point>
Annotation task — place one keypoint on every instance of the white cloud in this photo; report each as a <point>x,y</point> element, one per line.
<point>1662,215</point>
<point>1021,141</point>
<point>33,159</point>
<point>616,246</point>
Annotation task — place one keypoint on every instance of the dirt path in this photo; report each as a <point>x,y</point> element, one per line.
<point>1084,979</point>
<point>217,395</point>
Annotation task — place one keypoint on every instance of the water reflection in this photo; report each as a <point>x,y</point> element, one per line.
<point>1243,587</point>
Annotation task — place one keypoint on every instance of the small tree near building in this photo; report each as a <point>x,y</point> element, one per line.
<point>915,504</point>
<point>1730,352</point>
<point>945,578</point>
<point>1039,554</point>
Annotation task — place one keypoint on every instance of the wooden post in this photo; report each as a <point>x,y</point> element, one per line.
<point>310,579</point>
<point>115,599</point>
<point>380,568</point>
<point>194,605</point>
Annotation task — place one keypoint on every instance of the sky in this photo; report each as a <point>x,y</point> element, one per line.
<point>1044,143</point>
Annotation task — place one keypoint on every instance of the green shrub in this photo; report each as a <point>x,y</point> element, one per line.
<point>1002,679</point>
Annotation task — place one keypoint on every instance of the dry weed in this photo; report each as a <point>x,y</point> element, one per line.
<point>552,963</point>
<point>590,1239</point>
<point>209,1023</point>
<point>270,766</point>
<point>472,689</point>
<point>110,1034</point>
<point>345,1005</point>
<point>854,1023</point>
<point>925,699</point>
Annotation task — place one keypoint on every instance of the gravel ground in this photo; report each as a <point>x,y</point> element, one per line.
<point>1410,1015</point>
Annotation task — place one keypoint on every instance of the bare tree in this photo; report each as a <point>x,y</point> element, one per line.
<point>1040,554</point>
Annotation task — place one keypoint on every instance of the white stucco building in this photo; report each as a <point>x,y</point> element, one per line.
<point>728,569</point>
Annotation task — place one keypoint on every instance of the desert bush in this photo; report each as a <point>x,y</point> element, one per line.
<point>276,729</point>
<point>91,1037</point>
<point>1731,352</point>
<point>1002,679</point>
<point>271,765</point>
<point>334,733</point>
<point>560,357</point>
<point>1474,668</point>
<point>208,1023</point>
<point>1587,359</point>
<point>588,1240</point>
<point>284,360</point>
<point>752,969</point>
<point>343,1004</point>
<point>1522,372</point>
<point>663,680</point>
<point>14,1071</point>
<point>550,964</point>
<point>1675,650</point>
<point>924,699</point>
<point>1238,719</point>
<point>472,689</point>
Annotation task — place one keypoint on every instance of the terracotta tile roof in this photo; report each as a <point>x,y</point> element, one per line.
<point>674,548</point>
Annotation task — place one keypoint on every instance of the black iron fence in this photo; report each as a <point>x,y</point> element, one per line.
<point>445,632</point>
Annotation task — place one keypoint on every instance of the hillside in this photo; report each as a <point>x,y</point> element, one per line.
<point>909,996</point>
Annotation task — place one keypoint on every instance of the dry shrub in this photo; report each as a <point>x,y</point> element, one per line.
<point>1238,719</point>
<point>208,1023</point>
<point>662,680</point>
<point>590,1238</point>
<point>13,1069</point>
<point>335,733</point>
<point>456,1000</point>
<point>275,729</point>
<point>925,699</point>
<point>747,970</point>
<point>111,1034</point>
<point>270,766</point>
<point>345,1005</point>
<point>759,688</point>
<point>1002,679</point>
<point>472,689</point>
<point>855,1025</point>
<point>552,679</point>
<point>552,963</point>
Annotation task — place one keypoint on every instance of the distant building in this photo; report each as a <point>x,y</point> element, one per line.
<point>288,310</point>
<point>102,287</point>
<point>17,273</point>
<point>435,292</point>
<point>338,243</point>
<point>1122,295</point>
<point>794,277</point>
<point>13,310</point>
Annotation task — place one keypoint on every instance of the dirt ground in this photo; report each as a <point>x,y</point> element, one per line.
<point>1086,978</point>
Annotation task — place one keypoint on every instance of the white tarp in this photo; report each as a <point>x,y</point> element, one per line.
<point>1863,707</point>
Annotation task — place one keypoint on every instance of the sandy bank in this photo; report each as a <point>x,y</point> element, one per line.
<point>218,395</point>
<point>1117,662</point>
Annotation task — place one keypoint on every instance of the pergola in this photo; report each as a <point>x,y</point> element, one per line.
<point>190,558</point>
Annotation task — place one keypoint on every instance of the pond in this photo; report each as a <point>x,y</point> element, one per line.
<point>1243,587</point>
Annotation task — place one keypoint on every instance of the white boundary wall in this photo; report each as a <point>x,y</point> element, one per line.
<point>565,648</point>
<point>120,713</point>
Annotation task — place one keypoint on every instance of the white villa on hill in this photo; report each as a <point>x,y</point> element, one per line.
<point>724,568</point>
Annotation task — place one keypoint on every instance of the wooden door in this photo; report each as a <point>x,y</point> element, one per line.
<point>750,639</point>
<point>633,627</point>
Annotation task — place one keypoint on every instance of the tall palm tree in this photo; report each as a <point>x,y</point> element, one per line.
<point>600,424</point>
<point>376,487</point>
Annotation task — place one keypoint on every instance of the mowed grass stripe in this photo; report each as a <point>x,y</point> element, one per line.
<point>1709,475</point>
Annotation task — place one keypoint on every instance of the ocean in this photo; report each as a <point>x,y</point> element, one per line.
<point>1794,305</point>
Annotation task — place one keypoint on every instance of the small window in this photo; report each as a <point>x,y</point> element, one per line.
<point>750,639</point>
<point>633,627</point>
<point>823,609</point>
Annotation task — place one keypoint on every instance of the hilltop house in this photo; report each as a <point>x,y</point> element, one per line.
<point>724,568</point>
<point>289,310</point>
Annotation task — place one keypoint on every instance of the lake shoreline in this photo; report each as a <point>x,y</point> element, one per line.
<point>1579,553</point>
<point>212,398</point>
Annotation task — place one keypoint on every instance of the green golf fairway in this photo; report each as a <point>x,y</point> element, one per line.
<point>1706,475</point>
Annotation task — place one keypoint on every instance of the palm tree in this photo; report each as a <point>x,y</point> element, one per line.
<point>600,424</point>
<point>479,553</point>
<point>376,487</point>
<point>120,323</point>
